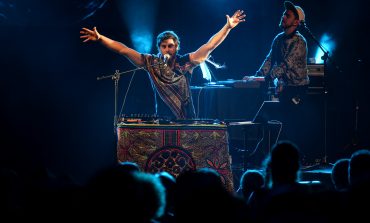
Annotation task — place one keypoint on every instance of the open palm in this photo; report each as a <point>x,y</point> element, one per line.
<point>89,35</point>
<point>237,18</point>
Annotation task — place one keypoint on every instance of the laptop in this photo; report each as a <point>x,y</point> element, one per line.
<point>269,110</point>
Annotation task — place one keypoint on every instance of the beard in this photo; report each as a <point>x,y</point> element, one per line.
<point>283,25</point>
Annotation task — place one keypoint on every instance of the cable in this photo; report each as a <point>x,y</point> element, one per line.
<point>263,135</point>
<point>257,145</point>
<point>197,115</point>
<point>128,88</point>
<point>281,127</point>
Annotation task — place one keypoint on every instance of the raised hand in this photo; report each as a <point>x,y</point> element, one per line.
<point>89,35</point>
<point>237,18</point>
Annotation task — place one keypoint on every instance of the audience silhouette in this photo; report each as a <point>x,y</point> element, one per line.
<point>339,175</point>
<point>132,196</point>
<point>124,192</point>
<point>250,181</point>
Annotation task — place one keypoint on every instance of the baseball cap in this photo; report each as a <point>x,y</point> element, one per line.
<point>298,11</point>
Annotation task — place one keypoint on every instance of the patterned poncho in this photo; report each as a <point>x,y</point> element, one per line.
<point>172,82</point>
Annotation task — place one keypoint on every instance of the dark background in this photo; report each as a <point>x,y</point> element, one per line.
<point>55,113</point>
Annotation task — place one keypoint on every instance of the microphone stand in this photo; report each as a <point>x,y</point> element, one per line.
<point>326,57</point>
<point>115,77</point>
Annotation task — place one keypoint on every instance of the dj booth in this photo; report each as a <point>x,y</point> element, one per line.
<point>176,147</point>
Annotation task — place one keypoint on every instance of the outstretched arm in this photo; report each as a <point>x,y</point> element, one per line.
<point>203,52</point>
<point>115,46</point>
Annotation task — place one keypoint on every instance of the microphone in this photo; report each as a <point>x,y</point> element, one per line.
<point>166,57</point>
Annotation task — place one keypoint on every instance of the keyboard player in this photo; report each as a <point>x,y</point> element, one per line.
<point>286,64</point>
<point>286,67</point>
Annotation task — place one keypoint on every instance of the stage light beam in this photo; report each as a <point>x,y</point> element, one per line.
<point>328,44</point>
<point>139,16</point>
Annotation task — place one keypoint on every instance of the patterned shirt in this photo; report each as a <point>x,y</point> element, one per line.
<point>172,83</point>
<point>287,60</point>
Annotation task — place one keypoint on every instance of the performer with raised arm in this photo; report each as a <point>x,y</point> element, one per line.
<point>169,71</point>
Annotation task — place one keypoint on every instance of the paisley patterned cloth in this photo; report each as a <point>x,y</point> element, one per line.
<point>287,60</point>
<point>176,148</point>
